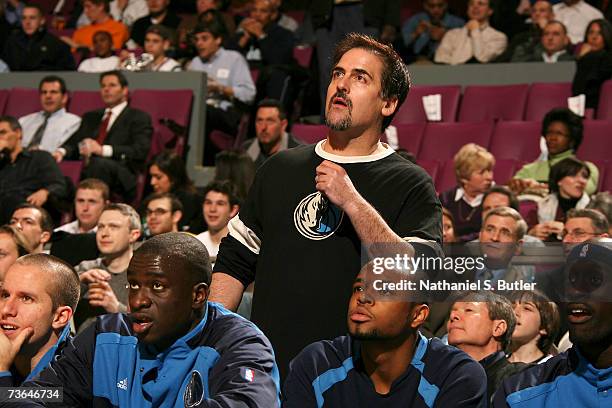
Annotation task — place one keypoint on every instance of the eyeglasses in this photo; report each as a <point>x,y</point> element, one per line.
<point>577,234</point>
<point>157,211</point>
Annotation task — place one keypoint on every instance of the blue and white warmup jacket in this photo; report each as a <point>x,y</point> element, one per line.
<point>225,361</point>
<point>330,374</point>
<point>565,381</point>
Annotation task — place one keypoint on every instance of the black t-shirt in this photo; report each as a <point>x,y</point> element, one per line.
<point>304,253</point>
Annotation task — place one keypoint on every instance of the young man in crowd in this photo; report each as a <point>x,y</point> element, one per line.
<point>157,41</point>
<point>98,13</point>
<point>91,196</point>
<point>553,45</point>
<point>35,224</point>
<point>163,213</point>
<point>104,60</point>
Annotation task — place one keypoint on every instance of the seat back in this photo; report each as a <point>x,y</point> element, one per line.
<point>604,109</point>
<point>493,102</point>
<point>546,96</point>
<point>72,170</point>
<point>412,110</point>
<point>596,144</point>
<point>84,101</point>
<point>22,101</point>
<point>4,95</point>
<point>442,140</point>
<point>516,140</point>
<point>410,135</point>
<point>309,133</point>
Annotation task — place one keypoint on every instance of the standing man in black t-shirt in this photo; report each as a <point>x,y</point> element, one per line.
<point>300,231</point>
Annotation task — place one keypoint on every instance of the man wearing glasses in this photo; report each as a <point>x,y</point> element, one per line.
<point>164,212</point>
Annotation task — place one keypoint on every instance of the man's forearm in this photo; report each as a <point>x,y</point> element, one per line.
<point>226,290</point>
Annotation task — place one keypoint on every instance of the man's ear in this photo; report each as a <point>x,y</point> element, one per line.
<point>200,295</point>
<point>420,313</point>
<point>62,317</point>
<point>499,328</point>
<point>134,235</point>
<point>235,210</point>
<point>176,216</point>
<point>284,123</point>
<point>390,106</point>
<point>519,247</point>
<point>45,237</point>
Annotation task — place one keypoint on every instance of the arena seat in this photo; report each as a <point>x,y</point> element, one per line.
<point>431,167</point>
<point>442,140</point>
<point>412,110</point>
<point>504,170</point>
<point>602,166</point>
<point>22,101</point>
<point>606,184</point>
<point>309,133</point>
<point>596,144</point>
<point>604,109</point>
<point>84,101</point>
<point>72,169</point>
<point>446,178</point>
<point>493,102</point>
<point>4,95</point>
<point>516,140</point>
<point>410,135</point>
<point>545,96</point>
<point>303,55</point>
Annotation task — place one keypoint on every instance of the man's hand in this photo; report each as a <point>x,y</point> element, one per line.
<point>253,27</point>
<point>585,48</point>
<point>518,185</point>
<point>421,28</point>
<point>102,295</point>
<point>335,184</point>
<point>38,198</point>
<point>472,25</point>
<point>94,276</point>
<point>545,229</point>
<point>436,33</point>
<point>88,146</point>
<point>9,349</point>
<point>58,156</point>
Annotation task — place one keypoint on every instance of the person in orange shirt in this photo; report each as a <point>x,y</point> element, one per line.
<point>98,12</point>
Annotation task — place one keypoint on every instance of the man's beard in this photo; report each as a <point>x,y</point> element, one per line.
<point>368,335</point>
<point>344,123</point>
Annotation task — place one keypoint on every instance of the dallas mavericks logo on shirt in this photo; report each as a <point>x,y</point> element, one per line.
<point>316,217</point>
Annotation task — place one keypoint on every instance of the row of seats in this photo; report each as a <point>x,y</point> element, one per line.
<point>160,104</point>
<point>497,102</point>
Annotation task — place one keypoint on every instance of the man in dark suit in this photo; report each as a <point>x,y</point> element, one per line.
<point>114,142</point>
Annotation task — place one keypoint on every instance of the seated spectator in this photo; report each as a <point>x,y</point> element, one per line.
<point>163,213</point>
<point>105,60</point>
<point>552,47</point>
<point>537,327</point>
<point>384,338</point>
<point>13,12</point>
<point>423,32</point>
<point>270,131</point>
<point>169,330</point>
<point>188,22</point>
<point>104,280</point>
<point>169,175</point>
<point>282,19</point>
<point>91,196</point>
<point>35,224</point>
<point>562,130</point>
<point>38,298</point>
<point>580,376</point>
<point>576,15</point>
<point>474,172</point>
<point>113,141</point>
<point>229,81</point>
<point>31,176</point>
<point>49,128</point>
<point>32,48</point>
<point>477,41</point>
<point>158,14</point>
<point>12,245</point>
<point>448,227</point>
<point>523,44</point>
<point>98,12</point>
<point>499,196</point>
<point>267,47</point>
<point>594,62</point>
<point>125,11</point>
<point>602,202</point>
<point>220,206</point>
<point>157,43</point>
<point>481,324</point>
<point>567,184</point>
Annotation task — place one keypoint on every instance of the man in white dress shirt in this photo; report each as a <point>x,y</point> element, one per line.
<point>49,128</point>
<point>576,15</point>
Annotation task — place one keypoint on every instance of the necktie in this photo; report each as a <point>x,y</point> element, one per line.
<point>103,128</point>
<point>37,138</point>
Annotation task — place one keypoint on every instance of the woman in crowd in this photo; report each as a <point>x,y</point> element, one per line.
<point>537,326</point>
<point>474,172</point>
<point>448,227</point>
<point>594,61</point>
<point>168,175</point>
<point>562,131</point>
<point>567,183</point>
<point>12,246</point>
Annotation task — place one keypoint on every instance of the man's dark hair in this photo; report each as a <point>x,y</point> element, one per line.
<point>557,22</point>
<point>41,12</point>
<point>602,202</point>
<point>95,184</point>
<point>175,204</point>
<point>106,4</point>
<point>181,251</point>
<point>514,203</point>
<point>606,32</point>
<point>566,167</point>
<point>120,77</point>
<point>572,121</point>
<point>599,221</point>
<point>273,103</point>
<point>53,78</point>
<point>214,27</point>
<point>395,79</point>
<point>173,166</point>
<point>46,222</point>
<point>65,280</point>
<point>224,187</point>
<point>108,35</point>
<point>499,308</point>
<point>160,30</point>
<point>12,122</point>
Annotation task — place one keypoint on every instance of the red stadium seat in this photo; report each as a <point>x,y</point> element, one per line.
<point>410,135</point>
<point>412,110</point>
<point>504,170</point>
<point>303,55</point>
<point>4,95</point>
<point>596,144</point>
<point>309,133</point>
<point>606,184</point>
<point>442,140</point>
<point>446,178</point>
<point>493,102</point>
<point>604,109</point>
<point>516,140</point>
<point>72,169</point>
<point>432,168</point>
<point>297,15</point>
<point>22,101</point>
<point>545,96</point>
<point>85,101</point>
<point>602,166</point>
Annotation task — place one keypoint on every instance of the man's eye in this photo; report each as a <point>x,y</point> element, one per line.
<point>132,286</point>
<point>158,286</point>
<point>358,289</point>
